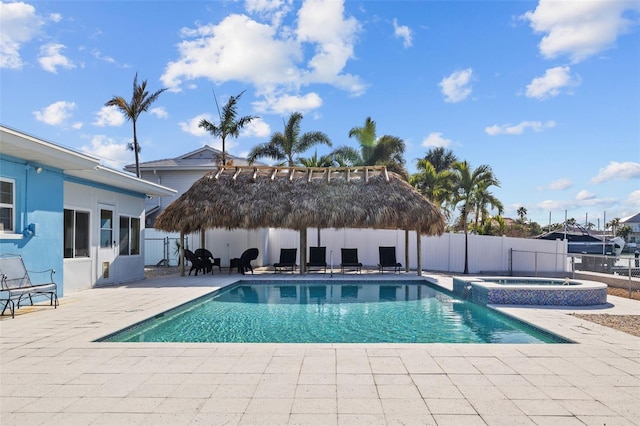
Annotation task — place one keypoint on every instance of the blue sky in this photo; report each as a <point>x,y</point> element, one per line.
<point>546,93</point>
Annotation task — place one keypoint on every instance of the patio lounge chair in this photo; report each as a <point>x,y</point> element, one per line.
<point>388,259</point>
<point>243,263</point>
<point>350,260</point>
<point>317,258</point>
<point>287,259</point>
<point>208,259</point>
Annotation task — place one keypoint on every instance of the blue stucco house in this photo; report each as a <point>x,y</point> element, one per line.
<point>61,209</point>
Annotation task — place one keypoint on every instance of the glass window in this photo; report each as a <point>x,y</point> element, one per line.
<point>129,235</point>
<point>7,205</point>
<point>124,235</point>
<point>76,234</point>
<point>135,235</point>
<point>106,228</point>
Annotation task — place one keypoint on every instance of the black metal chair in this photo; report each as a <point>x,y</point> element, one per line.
<point>388,259</point>
<point>197,263</point>
<point>350,260</point>
<point>287,260</point>
<point>207,257</point>
<point>243,263</point>
<point>317,258</point>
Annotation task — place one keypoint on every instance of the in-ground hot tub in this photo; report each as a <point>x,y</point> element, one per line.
<point>530,291</point>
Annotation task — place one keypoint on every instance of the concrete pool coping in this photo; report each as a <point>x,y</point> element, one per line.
<point>51,371</point>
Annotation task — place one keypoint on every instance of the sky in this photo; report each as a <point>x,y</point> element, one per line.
<point>546,93</point>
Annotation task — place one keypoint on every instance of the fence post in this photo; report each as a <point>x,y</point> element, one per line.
<point>511,261</point>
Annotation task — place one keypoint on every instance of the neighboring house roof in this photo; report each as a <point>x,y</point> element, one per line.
<point>632,219</point>
<point>202,158</point>
<point>73,163</point>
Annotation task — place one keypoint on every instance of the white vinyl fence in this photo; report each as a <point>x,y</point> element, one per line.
<point>446,253</point>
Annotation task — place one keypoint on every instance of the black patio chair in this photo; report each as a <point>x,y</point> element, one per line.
<point>350,260</point>
<point>287,260</point>
<point>207,257</point>
<point>243,263</point>
<point>317,258</point>
<point>197,263</point>
<point>388,259</point>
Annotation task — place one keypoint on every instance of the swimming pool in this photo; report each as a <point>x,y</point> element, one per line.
<point>332,312</point>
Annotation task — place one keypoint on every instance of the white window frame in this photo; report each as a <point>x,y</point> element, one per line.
<point>11,206</point>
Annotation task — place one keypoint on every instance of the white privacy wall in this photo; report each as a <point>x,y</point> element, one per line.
<point>444,253</point>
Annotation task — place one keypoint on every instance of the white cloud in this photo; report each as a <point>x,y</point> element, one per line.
<point>111,153</point>
<point>585,195</point>
<point>561,184</point>
<point>192,126</point>
<point>634,198</point>
<point>257,128</point>
<point>456,87</point>
<point>51,58</point>
<point>56,113</point>
<point>436,140</point>
<point>271,57</point>
<point>273,10</point>
<point>579,29</point>
<point>285,104</point>
<point>618,171</point>
<point>518,129</point>
<point>551,83</point>
<point>19,24</point>
<point>403,32</point>
<point>159,112</point>
<point>238,48</point>
<point>109,116</point>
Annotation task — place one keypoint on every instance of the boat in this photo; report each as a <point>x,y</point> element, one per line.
<point>580,240</point>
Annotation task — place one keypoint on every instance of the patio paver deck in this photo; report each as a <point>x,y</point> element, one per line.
<point>53,373</point>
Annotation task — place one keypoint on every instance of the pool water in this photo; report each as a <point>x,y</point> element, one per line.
<point>333,312</point>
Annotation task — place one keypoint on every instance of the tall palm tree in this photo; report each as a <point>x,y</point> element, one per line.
<point>230,125</point>
<point>466,183</point>
<point>286,146</point>
<point>141,100</point>
<point>384,151</point>
<point>483,198</point>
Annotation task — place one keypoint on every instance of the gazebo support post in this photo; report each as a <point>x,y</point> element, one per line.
<point>419,252</point>
<point>406,250</point>
<point>181,254</point>
<point>202,235</point>
<point>303,251</point>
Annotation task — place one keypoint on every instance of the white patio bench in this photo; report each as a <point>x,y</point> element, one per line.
<point>17,284</point>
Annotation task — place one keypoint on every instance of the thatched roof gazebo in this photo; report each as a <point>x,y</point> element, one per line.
<point>298,198</point>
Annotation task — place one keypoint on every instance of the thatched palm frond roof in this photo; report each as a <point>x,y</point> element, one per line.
<point>300,198</point>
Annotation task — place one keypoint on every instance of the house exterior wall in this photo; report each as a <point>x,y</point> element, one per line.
<point>38,201</point>
<point>87,272</point>
<point>180,180</point>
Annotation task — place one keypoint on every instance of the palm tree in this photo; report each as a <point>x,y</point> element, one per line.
<point>522,213</point>
<point>287,146</point>
<point>384,151</point>
<point>466,184</point>
<point>433,184</point>
<point>141,100</point>
<point>229,124</point>
<point>440,158</point>
<point>483,198</point>
<point>315,161</point>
